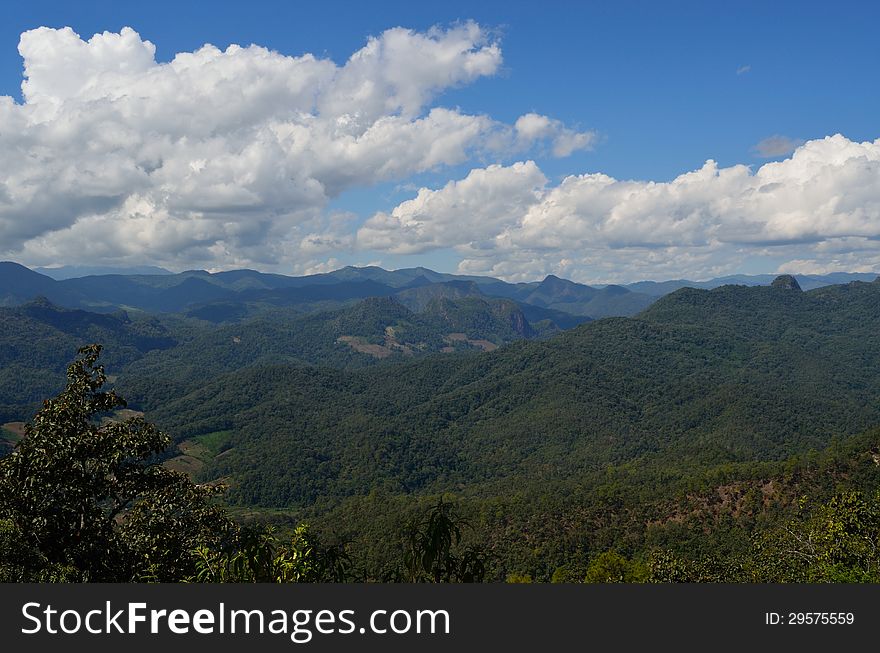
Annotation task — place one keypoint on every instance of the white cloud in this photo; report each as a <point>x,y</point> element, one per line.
<point>849,254</point>
<point>319,267</point>
<point>225,157</point>
<point>532,127</point>
<point>466,213</point>
<point>595,227</point>
<point>402,70</point>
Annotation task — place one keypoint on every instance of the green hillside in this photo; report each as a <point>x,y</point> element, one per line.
<point>370,332</point>
<point>687,429</point>
<point>703,385</point>
<point>702,378</point>
<point>38,339</point>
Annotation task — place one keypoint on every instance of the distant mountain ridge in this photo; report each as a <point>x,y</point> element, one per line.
<point>74,271</point>
<point>806,282</point>
<point>234,294</point>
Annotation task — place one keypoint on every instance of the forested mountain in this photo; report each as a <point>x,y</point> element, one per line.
<point>19,285</point>
<point>38,339</point>
<point>372,332</point>
<point>703,377</point>
<point>352,396</point>
<point>235,294</point>
<point>703,385</point>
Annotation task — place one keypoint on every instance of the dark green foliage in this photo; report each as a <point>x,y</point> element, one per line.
<point>260,557</point>
<point>37,340</point>
<point>434,552</point>
<point>84,499</point>
<point>702,380</point>
<point>88,499</point>
<point>672,446</point>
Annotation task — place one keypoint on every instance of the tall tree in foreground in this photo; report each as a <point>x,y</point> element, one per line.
<point>86,500</point>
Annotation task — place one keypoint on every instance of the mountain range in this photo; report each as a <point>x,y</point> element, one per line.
<point>734,374</point>
<point>568,419</point>
<point>212,294</point>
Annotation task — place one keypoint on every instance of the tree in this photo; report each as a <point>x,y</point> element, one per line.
<point>261,558</point>
<point>611,567</point>
<point>837,541</point>
<point>86,500</point>
<point>434,552</point>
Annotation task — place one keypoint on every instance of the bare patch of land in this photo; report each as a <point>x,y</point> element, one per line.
<point>126,413</point>
<point>485,345</point>
<point>189,465</point>
<point>197,452</point>
<point>191,459</point>
<point>392,345</point>
<point>361,345</point>
<point>12,431</point>
<point>121,415</point>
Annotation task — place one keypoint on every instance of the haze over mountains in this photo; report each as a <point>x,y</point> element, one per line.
<point>194,325</point>
<point>155,290</point>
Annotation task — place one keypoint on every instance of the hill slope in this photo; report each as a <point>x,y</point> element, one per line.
<point>702,378</point>
<point>38,339</point>
<point>374,330</point>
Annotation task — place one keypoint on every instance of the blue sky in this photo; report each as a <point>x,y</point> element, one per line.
<point>662,87</point>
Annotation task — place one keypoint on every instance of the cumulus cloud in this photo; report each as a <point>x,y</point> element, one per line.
<point>226,157</point>
<point>776,145</point>
<point>850,254</point>
<point>532,127</point>
<point>506,221</point>
<point>467,214</point>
